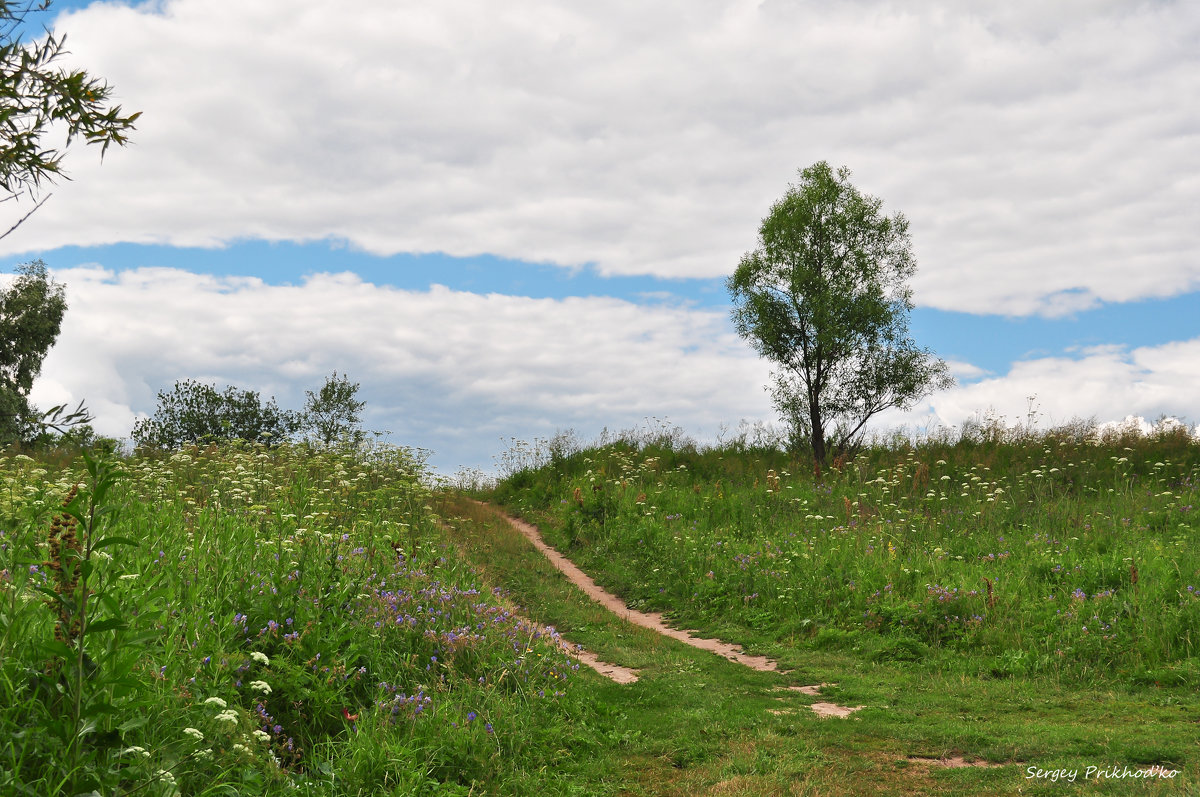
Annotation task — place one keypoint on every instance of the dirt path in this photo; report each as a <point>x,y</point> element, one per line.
<point>613,672</point>
<point>650,620</point>
<point>655,622</point>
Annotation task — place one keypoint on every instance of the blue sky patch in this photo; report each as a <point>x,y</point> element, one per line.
<point>989,342</point>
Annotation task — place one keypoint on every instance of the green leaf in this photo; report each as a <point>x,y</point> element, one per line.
<point>110,603</point>
<point>133,723</point>
<point>107,541</point>
<point>95,710</point>
<point>122,687</point>
<point>105,625</point>
<point>139,640</point>
<point>52,595</point>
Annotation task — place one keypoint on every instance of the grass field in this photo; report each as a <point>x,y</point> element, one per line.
<point>285,620</point>
<point>246,621</point>
<point>1042,556</point>
<point>1028,599</point>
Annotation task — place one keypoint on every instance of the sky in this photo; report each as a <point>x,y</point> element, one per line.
<point>507,220</point>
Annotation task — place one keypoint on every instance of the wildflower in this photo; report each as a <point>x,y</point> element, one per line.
<point>216,701</point>
<point>142,751</point>
<point>261,686</point>
<point>195,734</point>
<point>260,657</point>
<point>228,716</point>
<point>239,748</point>
<point>262,736</point>
<point>349,717</point>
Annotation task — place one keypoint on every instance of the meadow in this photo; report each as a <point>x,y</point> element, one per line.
<point>250,620</point>
<point>998,552</point>
<point>295,620</point>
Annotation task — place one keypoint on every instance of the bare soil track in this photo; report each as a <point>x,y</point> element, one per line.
<point>650,620</point>
<point>656,623</point>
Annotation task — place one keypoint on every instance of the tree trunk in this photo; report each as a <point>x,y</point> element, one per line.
<point>818,432</point>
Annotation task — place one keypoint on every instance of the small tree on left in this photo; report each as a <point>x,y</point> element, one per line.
<point>31,314</point>
<point>194,412</point>
<point>333,414</point>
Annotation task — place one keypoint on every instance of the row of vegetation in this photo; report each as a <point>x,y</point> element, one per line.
<point>1002,553</point>
<point>253,620</point>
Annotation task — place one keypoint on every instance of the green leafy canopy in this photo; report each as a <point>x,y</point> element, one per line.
<point>194,412</point>
<point>332,414</point>
<point>825,298</point>
<point>31,314</point>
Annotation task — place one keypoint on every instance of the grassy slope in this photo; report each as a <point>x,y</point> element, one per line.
<point>696,724</point>
<point>263,621</point>
<point>208,528</point>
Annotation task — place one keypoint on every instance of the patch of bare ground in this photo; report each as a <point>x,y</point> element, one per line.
<point>651,620</point>
<point>811,691</point>
<point>821,709</point>
<point>614,672</point>
<point>655,622</point>
<point>950,762</point>
<point>742,785</point>
<point>824,710</point>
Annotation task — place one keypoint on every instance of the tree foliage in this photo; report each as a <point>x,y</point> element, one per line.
<point>332,414</point>
<point>37,98</point>
<point>31,314</point>
<point>825,298</point>
<point>194,412</point>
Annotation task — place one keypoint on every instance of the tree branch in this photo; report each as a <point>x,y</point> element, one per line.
<point>21,220</point>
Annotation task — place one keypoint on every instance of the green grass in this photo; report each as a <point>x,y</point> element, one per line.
<point>393,626</point>
<point>255,621</point>
<point>697,724</point>
<point>1048,556</point>
<point>876,575</point>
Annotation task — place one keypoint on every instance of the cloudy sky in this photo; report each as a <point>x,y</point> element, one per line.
<point>505,219</point>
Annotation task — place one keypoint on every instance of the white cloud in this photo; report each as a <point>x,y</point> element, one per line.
<point>1045,153</point>
<point>964,371</point>
<point>458,372</point>
<point>1106,383</point>
<point>442,369</point>
<point>1140,426</point>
